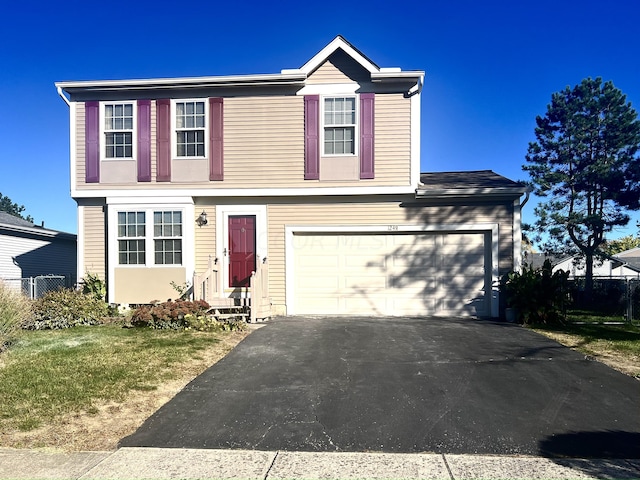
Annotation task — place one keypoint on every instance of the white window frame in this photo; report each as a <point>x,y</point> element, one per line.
<point>356,125</point>
<point>172,237</point>
<point>150,237</point>
<point>175,129</point>
<point>104,131</point>
<point>128,238</point>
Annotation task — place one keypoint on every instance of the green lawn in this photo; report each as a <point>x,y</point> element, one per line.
<point>49,373</point>
<point>617,344</point>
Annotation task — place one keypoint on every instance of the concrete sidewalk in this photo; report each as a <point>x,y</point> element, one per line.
<point>161,463</point>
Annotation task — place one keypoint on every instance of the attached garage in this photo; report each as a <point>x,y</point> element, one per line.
<point>398,270</point>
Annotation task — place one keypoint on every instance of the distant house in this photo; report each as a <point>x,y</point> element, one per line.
<point>28,250</point>
<point>622,265</point>
<point>630,257</point>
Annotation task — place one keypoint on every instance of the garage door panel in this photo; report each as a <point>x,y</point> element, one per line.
<point>465,238</point>
<point>363,260</point>
<point>375,283</point>
<point>390,274</point>
<point>319,261</point>
<point>409,239</point>
<point>428,260</point>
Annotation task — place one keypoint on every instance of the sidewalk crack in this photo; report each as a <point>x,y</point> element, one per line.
<point>446,464</point>
<point>266,475</point>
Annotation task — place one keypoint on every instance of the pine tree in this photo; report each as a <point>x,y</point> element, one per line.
<point>584,166</point>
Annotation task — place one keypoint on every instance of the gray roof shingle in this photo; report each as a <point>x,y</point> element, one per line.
<point>7,219</point>
<point>480,179</point>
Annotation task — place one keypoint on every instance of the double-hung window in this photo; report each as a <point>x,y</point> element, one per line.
<point>339,125</point>
<point>131,238</point>
<point>167,237</point>
<point>118,130</point>
<point>135,239</point>
<point>190,127</point>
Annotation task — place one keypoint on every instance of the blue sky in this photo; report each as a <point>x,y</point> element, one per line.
<point>491,67</point>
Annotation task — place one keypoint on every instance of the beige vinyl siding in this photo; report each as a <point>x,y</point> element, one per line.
<point>339,68</point>
<point>205,237</point>
<point>383,213</point>
<point>392,140</point>
<point>264,145</point>
<point>263,141</point>
<point>94,241</point>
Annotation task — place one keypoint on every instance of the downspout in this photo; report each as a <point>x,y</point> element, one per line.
<point>527,192</point>
<point>63,97</point>
<point>517,230</point>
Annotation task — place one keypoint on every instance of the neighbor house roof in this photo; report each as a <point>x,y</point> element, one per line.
<point>8,219</point>
<point>467,183</point>
<point>12,224</point>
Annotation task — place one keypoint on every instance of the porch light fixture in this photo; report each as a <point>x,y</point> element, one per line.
<point>202,219</point>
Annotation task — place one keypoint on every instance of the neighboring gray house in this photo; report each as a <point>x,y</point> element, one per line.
<point>28,250</point>
<point>630,257</point>
<point>620,265</point>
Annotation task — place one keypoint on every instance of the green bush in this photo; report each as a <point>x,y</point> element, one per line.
<point>539,295</point>
<point>66,308</point>
<point>94,286</point>
<point>168,315</point>
<point>15,310</point>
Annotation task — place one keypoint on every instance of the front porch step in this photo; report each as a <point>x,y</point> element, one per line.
<point>227,312</point>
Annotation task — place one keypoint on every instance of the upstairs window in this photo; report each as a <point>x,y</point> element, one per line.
<point>190,128</point>
<point>131,238</point>
<point>339,125</point>
<point>118,130</point>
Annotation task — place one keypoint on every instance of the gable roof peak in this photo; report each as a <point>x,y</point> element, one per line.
<point>339,42</point>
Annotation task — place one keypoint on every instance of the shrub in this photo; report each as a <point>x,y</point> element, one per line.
<point>66,308</point>
<point>168,315</point>
<point>15,310</point>
<point>539,295</point>
<point>92,285</point>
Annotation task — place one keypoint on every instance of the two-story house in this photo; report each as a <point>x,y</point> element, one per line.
<point>313,171</point>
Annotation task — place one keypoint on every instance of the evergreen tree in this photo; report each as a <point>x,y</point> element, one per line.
<point>6,205</point>
<point>583,165</point>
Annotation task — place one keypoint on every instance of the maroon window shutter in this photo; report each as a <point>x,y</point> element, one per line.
<point>216,139</point>
<point>144,140</point>
<point>92,142</point>
<point>367,125</point>
<point>311,137</point>
<point>163,140</point>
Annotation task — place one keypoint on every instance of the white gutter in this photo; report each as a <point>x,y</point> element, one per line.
<point>184,82</point>
<point>468,192</point>
<point>63,96</point>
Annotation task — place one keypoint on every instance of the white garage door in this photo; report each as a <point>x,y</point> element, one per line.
<point>392,274</point>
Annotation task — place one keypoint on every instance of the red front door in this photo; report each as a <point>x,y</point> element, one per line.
<point>242,249</point>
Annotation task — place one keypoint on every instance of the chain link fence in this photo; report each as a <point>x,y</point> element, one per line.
<point>36,287</point>
<point>611,297</point>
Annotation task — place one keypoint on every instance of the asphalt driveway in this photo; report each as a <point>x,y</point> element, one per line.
<point>403,385</point>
